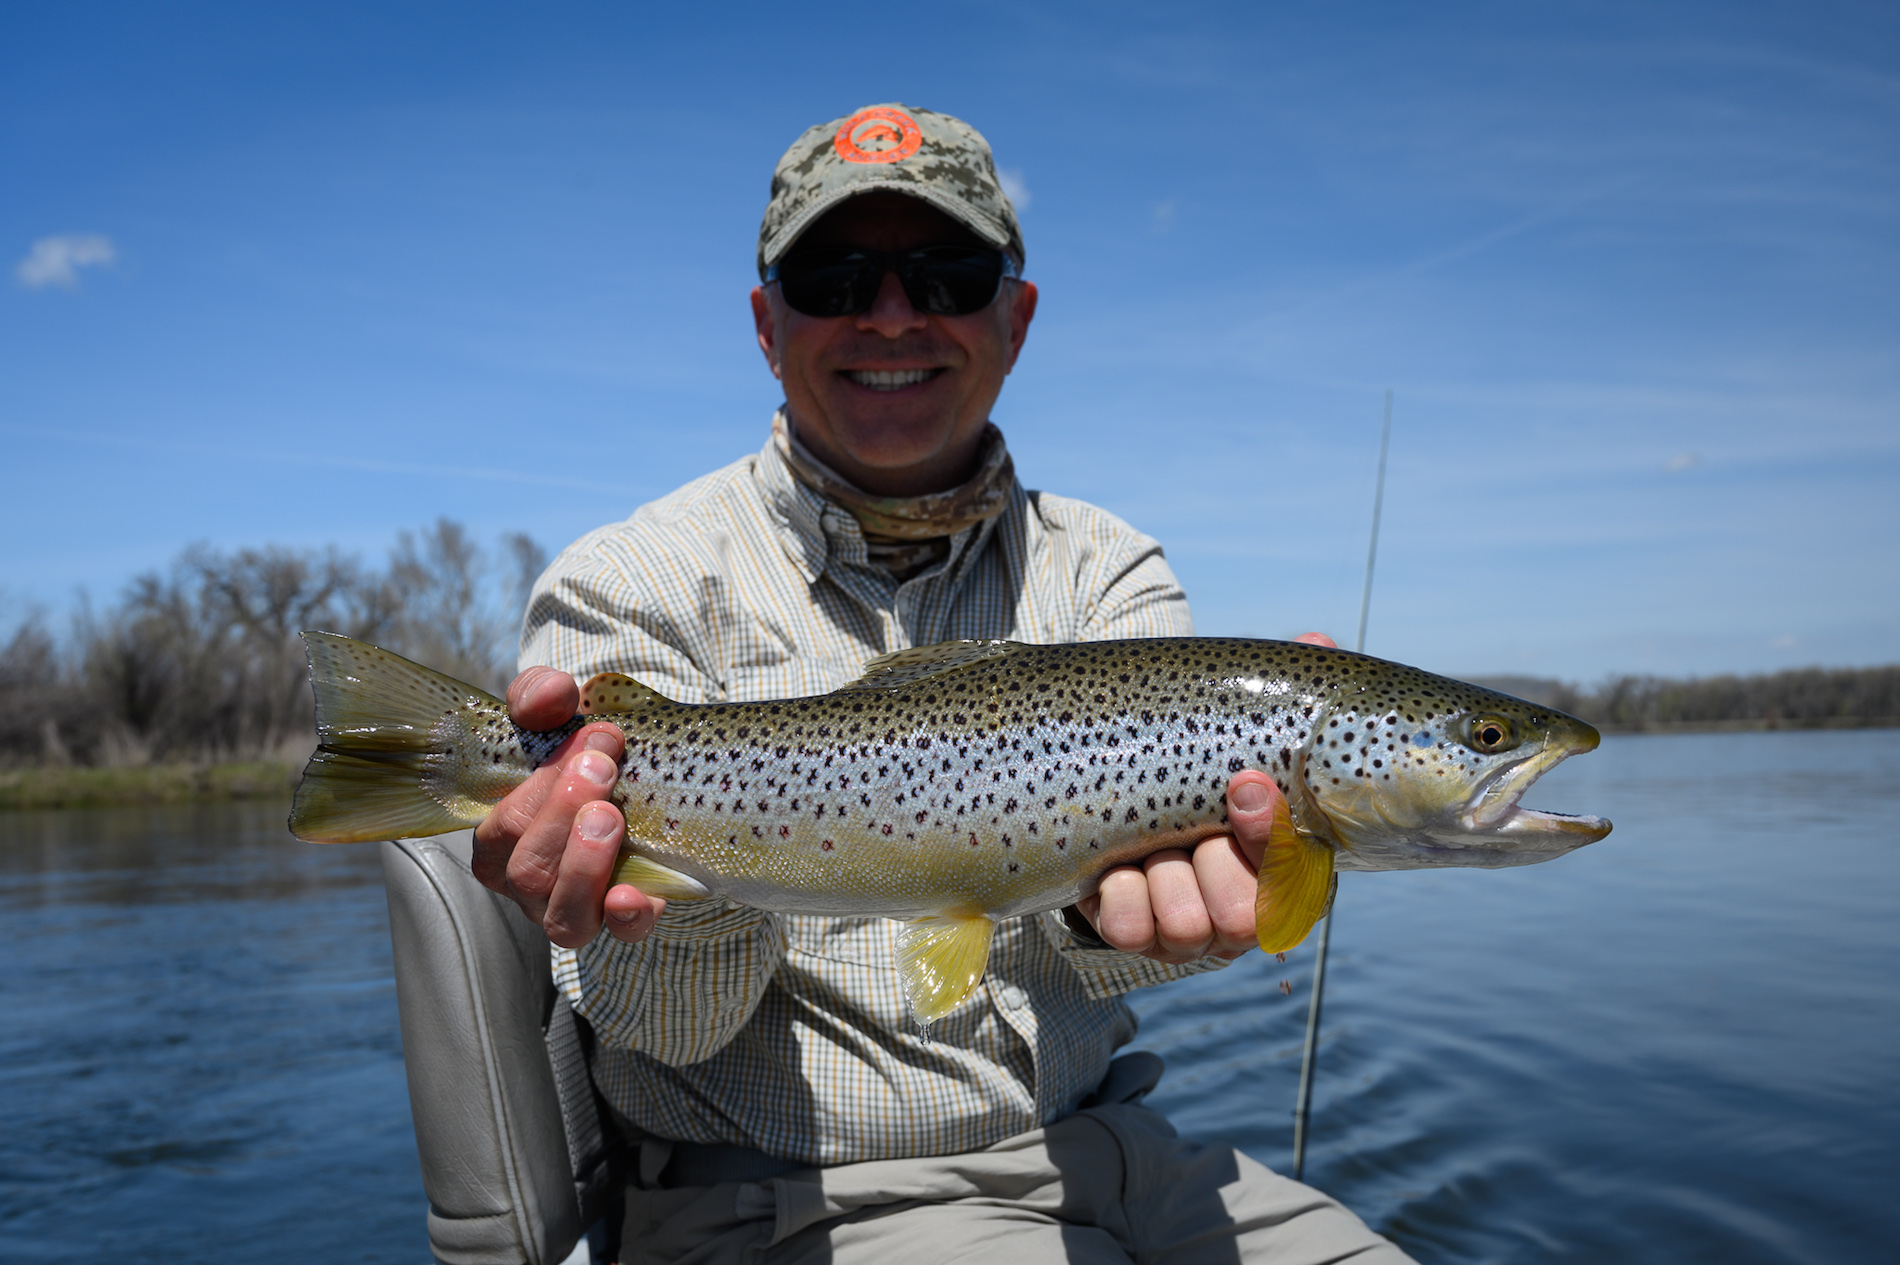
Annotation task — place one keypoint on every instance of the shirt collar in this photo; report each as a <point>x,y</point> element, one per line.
<point>818,533</point>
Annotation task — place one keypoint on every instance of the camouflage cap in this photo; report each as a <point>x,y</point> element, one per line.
<point>919,153</point>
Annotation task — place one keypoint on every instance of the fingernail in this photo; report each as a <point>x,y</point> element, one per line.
<point>597,824</point>
<point>602,741</point>
<point>595,767</point>
<point>1249,797</point>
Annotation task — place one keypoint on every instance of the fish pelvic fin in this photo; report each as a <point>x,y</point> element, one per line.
<point>376,718</point>
<point>1296,884</point>
<point>941,958</point>
<point>657,880</point>
<point>609,692</point>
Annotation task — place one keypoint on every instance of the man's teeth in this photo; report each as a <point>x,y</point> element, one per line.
<point>889,379</point>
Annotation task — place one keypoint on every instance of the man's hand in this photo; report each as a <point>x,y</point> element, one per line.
<point>1178,906</point>
<point>551,843</point>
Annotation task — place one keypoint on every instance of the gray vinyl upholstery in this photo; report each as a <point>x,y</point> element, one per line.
<point>518,1156</point>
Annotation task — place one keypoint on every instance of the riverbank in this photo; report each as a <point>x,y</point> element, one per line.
<point>72,786</point>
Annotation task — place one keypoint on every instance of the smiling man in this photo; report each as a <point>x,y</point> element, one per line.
<point>785,1106</point>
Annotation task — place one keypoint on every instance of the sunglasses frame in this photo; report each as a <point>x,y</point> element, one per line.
<point>908,265</point>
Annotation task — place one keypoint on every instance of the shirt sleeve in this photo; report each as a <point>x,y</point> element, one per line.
<point>683,993</point>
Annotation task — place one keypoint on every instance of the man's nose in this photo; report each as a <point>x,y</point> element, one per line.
<point>891,314</point>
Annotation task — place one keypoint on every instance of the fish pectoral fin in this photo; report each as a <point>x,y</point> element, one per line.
<point>941,957</point>
<point>614,692</point>
<point>904,667</point>
<point>1296,885</point>
<point>657,880</point>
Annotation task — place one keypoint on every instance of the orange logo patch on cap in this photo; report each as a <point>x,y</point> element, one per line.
<point>878,136</point>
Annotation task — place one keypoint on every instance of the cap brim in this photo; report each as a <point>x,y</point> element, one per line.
<point>788,234</point>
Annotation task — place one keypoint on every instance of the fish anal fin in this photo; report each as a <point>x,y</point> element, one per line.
<point>657,880</point>
<point>941,958</point>
<point>903,667</point>
<point>610,692</point>
<point>1296,885</point>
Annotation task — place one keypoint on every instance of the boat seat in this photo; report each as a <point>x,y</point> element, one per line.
<point>520,1159</point>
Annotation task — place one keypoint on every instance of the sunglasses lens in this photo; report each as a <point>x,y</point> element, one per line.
<point>952,280</point>
<point>829,283</point>
<point>939,280</point>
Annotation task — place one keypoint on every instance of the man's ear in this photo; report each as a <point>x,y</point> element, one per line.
<point>1022,310</point>
<point>765,319</point>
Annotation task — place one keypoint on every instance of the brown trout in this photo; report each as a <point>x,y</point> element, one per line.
<point>956,785</point>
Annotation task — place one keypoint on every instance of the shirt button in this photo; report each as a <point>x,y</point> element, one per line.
<point>1012,997</point>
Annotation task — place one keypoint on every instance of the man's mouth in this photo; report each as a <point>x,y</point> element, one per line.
<point>890,379</point>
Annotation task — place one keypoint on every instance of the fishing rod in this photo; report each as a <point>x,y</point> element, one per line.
<point>1309,1053</point>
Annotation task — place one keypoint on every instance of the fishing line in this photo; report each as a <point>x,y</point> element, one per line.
<point>1309,1053</point>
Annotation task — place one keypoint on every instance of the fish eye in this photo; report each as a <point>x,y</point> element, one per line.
<point>1489,735</point>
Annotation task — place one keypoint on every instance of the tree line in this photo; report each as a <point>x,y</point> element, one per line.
<point>201,661</point>
<point>1800,698</point>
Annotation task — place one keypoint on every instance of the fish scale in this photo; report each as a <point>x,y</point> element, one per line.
<point>953,786</point>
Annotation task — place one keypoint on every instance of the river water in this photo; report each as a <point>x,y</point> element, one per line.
<point>1680,1044</point>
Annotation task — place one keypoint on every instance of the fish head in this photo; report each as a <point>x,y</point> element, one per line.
<point>1434,775</point>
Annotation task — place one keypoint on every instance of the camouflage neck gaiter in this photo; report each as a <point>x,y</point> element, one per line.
<point>905,534</point>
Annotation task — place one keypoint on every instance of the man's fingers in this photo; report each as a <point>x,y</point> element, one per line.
<point>1183,931</point>
<point>1317,639</point>
<point>631,913</point>
<point>1253,803</point>
<point>574,905</point>
<point>1123,917</point>
<point>535,865</point>
<point>495,837</point>
<point>1228,886</point>
<point>543,698</point>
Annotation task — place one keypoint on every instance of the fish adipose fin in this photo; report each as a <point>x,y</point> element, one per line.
<point>376,717</point>
<point>614,692</point>
<point>1296,885</point>
<point>941,957</point>
<point>904,667</point>
<point>657,880</point>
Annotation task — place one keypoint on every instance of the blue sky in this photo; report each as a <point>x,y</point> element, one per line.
<point>1632,272</point>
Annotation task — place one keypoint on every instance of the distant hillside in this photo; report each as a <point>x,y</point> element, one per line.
<point>1802,698</point>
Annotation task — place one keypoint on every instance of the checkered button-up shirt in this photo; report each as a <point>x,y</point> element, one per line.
<point>791,1033</point>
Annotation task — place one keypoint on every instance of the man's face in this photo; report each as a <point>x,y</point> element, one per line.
<point>893,399</point>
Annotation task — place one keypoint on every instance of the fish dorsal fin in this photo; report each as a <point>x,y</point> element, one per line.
<point>905,667</point>
<point>1296,884</point>
<point>942,957</point>
<point>614,692</point>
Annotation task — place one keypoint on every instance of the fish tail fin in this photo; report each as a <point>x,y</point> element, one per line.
<point>376,716</point>
<point>1296,884</point>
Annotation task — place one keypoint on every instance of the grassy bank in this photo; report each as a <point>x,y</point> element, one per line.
<point>80,787</point>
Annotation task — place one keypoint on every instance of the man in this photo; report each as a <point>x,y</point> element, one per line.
<point>785,1106</point>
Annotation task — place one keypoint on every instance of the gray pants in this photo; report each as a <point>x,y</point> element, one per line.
<point>1110,1184</point>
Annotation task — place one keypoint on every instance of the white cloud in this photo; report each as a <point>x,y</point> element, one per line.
<point>56,261</point>
<point>1014,185</point>
<point>1682,461</point>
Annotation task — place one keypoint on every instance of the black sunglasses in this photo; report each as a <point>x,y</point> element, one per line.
<point>844,281</point>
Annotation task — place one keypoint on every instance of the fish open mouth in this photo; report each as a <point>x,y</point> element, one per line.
<point>1496,808</point>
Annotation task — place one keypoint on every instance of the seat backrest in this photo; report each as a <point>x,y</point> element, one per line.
<point>518,1158</point>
